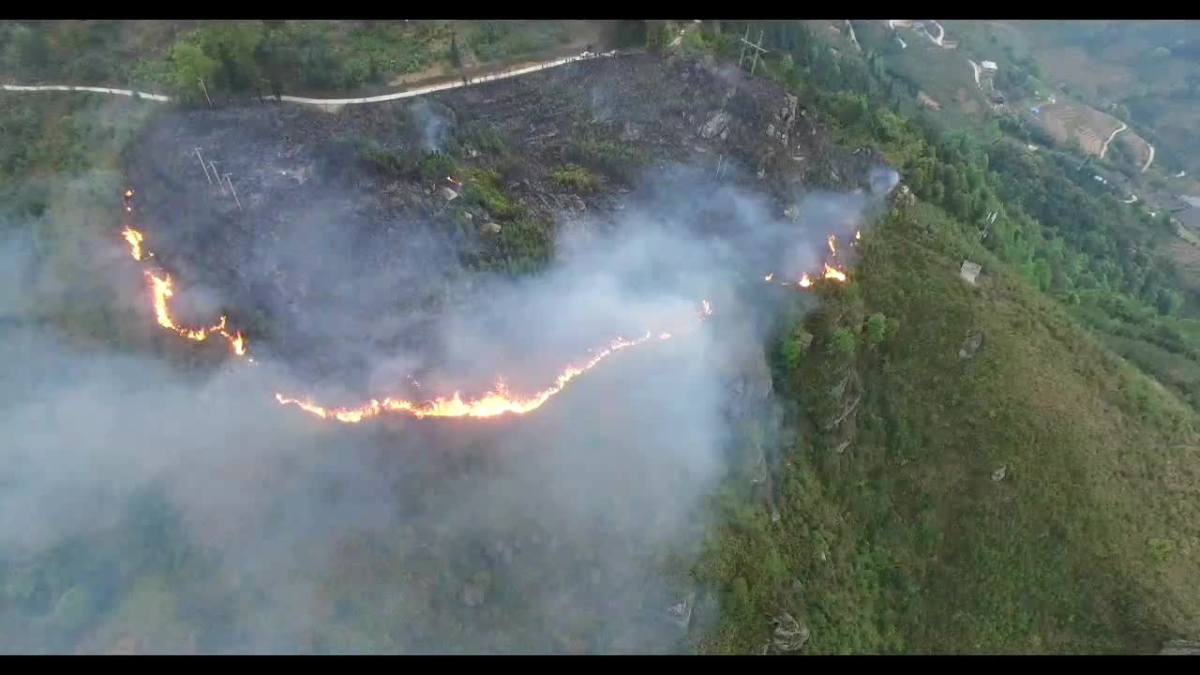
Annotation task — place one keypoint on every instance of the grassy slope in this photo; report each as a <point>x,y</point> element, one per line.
<point>1087,543</point>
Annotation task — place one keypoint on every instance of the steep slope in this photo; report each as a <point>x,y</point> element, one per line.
<point>1036,495</point>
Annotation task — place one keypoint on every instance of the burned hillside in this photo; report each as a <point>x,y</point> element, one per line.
<point>407,202</point>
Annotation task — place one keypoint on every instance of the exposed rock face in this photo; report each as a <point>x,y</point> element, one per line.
<point>970,346</point>
<point>790,635</point>
<point>717,123</point>
<point>1181,648</point>
<point>784,119</point>
<point>970,271</point>
<point>681,612</point>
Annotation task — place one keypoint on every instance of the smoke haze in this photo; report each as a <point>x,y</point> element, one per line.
<point>214,519</point>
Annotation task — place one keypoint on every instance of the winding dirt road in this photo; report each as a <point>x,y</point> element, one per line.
<point>98,90</point>
<point>1104,148</point>
<point>335,103</point>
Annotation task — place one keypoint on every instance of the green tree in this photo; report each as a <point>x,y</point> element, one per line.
<point>1168,301</point>
<point>33,50</point>
<point>192,66</point>
<point>876,329</point>
<point>842,341</point>
<point>234,45</point>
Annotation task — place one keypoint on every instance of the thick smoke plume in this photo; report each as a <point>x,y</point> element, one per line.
<point>180,508</point>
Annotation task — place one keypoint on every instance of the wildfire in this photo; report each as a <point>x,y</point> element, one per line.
<point>236,342</point>
<point>162,290</point>
<point>769,277</point>
<point>498,401</point>
<point>834,274</point>
<point>805,281</point>
<point>135,239</point>
<point>857,235</point>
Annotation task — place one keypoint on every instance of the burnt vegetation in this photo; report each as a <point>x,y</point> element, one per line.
<point>947,467</point>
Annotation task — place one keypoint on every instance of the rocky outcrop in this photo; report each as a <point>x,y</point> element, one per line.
<point>717,124</point>
<point>1181,648</point>
<point>970,345</point>
<point>789,635</point>
<point>970,272</point>
<point>784,119</point>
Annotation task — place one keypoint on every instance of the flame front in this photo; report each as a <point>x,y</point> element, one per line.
<point>834,274</point>
<point>134,238</point>
<point>805,282</point>
<point>498,401</point>
<point>161,287</point>
<point>162,290</point>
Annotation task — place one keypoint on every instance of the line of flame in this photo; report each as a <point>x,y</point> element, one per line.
<point>498,401</point>
<point>162,289</point>
<point>135,241</point>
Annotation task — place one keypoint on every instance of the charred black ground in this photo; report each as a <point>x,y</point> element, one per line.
<point>366,186</point>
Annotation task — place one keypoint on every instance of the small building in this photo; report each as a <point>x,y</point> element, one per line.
<point>989,65</point>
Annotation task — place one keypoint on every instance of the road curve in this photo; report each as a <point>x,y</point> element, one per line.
<point>1150,159</point>
<point>1104,148</point>
<point>338,102</point>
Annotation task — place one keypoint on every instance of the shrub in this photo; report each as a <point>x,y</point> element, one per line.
<point>575,178</point>
<point>436,166</point>
<point>876,329</point>
<point>483,189</point>
<point>842,341</point>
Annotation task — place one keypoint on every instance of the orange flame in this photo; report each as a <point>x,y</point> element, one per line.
<point>135,239</point>
<point>162,290</point>
<point>494,403</point>
<point>498,401</point>
<point>805,282</point>
<point>834,274</point>
<point>769,277</point>
<point>238,343</point>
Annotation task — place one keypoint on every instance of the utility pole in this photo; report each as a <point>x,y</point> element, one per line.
<point>202,86</point>
<point>745,41</point>
<point>214,170</point>
<point>758,49</point>
<point>235,197</point>
<point>203,165</point>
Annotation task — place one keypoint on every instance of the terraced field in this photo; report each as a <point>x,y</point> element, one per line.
<point>1090,127</point>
